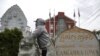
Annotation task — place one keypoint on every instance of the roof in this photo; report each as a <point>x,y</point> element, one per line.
<point>77,29</point>
<point>61,14</point>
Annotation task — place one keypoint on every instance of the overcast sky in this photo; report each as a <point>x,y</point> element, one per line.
<point>89,10</point>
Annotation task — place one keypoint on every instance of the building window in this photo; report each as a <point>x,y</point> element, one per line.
<point>21,23</point>
<point>69,26</point>
<point>9,18</point>
<point>22,27</point>
<point>61,25</point>
<point>0,23</point>
<point>6,21</point>
<point>51,26</point>
<point>15,16</point>
<point>5,25</point>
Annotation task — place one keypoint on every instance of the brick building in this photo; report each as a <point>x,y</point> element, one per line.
<point>59,23</point>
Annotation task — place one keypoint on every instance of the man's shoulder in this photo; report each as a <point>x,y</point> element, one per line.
<point>41,27</point>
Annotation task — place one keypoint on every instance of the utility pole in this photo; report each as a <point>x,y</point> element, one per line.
<point>54,24</point>
<point>50,23</point>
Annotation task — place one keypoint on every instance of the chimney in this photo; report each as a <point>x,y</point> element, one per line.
<point>60,13</point>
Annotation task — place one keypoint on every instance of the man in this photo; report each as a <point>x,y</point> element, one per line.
<point>41,35</point>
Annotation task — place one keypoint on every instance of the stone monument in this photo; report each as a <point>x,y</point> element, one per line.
<point>77,42</point>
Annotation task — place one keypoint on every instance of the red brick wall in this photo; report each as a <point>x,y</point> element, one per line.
<point>68,21</point>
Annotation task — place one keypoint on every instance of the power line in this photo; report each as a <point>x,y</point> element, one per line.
<point>90,20</point>
<point>94,19</point>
